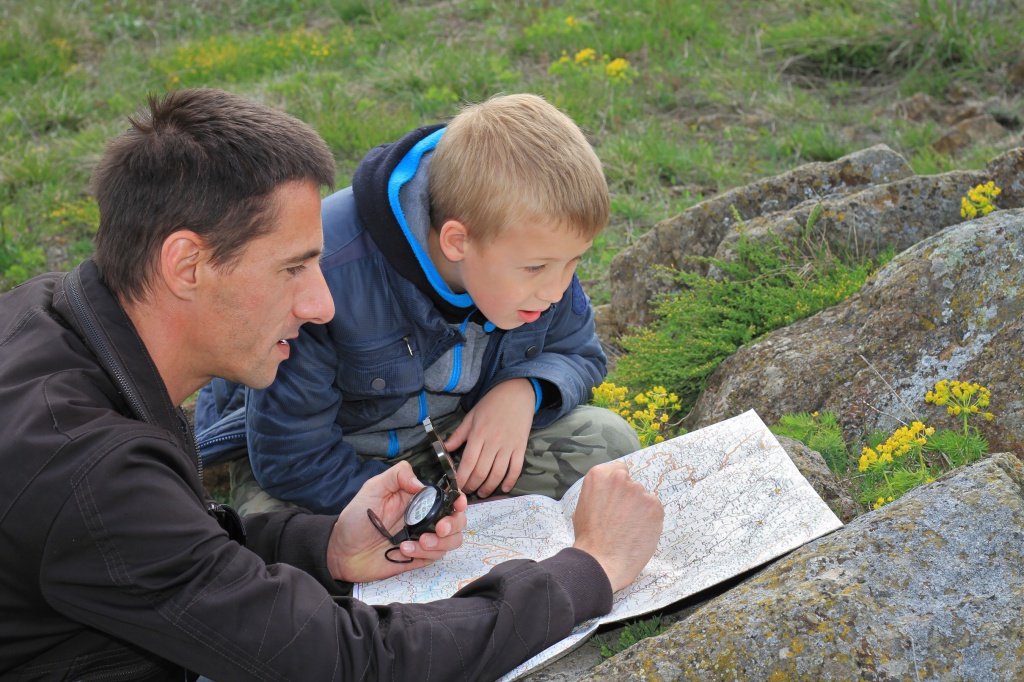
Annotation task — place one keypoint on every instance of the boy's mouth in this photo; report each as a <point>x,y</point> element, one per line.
<point>529,315</point>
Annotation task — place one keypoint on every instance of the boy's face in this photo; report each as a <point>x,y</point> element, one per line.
<point>520,274</point>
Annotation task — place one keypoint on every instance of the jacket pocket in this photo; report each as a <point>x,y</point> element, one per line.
<point>385,368</point>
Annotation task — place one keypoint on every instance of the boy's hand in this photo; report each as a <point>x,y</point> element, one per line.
<point>495,433</point>
<point>355,551</point>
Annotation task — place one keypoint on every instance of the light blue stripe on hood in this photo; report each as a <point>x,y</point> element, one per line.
<point>403,173</point>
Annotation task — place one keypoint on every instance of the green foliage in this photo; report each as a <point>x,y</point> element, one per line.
<point>769,285</point>
<point>632,633</point>
<point>820,432</point>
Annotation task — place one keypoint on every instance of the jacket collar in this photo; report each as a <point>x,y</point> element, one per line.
<point>95,314</point>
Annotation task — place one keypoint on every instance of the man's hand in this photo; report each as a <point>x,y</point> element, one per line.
<point>617,522</point>
<point>355,551</point>
<point>495,433</point>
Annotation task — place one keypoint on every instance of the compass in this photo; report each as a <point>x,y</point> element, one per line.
<point>429,505</point>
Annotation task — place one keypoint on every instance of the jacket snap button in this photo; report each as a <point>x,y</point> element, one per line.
<point>378,384</point>
<point>531,352</point>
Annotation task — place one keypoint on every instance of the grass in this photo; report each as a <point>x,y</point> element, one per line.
<point>716,94</point>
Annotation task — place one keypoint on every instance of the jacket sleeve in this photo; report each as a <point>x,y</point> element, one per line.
<point>296,447</point>
<point>570,363</point>
<point>132,553</point>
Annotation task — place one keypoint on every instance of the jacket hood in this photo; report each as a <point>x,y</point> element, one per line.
<point>391,193</point>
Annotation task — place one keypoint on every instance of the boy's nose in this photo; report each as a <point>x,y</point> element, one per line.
<point>555,286</point>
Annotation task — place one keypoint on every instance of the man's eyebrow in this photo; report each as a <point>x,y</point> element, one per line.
<point>308,255</point>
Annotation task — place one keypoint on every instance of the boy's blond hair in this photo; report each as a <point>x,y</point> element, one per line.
<point>512,159</point>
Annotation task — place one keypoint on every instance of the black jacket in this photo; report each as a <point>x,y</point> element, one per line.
<point>112,566</point>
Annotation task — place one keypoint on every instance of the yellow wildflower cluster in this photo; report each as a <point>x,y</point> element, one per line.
<point>587,54</point>
<point>980,200</point>
<point>916,453</point>
<point>647,413</point>
<point>572,22</point>
<point>231,56</point>
<point>83,212</point>
<point>905,440</point>
<point>587,61</point>
<point>960,398</point>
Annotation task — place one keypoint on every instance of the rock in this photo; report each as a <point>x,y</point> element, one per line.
<point>919,107</point>
<point>897,214</point>
<point>1007,171</point>
<point>812,465</point>
<point>633,274</point>
<point>928,587</point>
<point>980,128</point>
<point>950,307</point>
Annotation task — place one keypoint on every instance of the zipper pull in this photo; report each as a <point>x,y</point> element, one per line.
<point>407,345</point>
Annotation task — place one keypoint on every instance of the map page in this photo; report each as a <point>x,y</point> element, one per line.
<point>733,500</point>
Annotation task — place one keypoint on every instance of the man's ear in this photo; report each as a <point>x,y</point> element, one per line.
<point>452,238</point>
<point>180,257</point>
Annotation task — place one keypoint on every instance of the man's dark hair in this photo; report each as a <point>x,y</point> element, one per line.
<point>202,160</point>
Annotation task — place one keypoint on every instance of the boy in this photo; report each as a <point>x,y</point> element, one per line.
<point>452,262</point>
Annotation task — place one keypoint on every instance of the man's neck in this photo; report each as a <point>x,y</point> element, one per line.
<point>161,335</point>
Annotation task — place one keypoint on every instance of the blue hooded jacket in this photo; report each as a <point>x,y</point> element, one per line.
<point>365,375</point>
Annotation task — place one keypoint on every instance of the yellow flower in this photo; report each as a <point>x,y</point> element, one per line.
<point>571,21</point>
<point>585,55</point>
<point>616,69</point>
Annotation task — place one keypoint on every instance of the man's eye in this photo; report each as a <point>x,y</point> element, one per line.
<point>296,269</point>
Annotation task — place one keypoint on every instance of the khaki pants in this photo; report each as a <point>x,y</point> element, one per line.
<point>556,457</point>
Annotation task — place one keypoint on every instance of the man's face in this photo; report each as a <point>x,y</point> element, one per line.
<point>520,274</point>
<point>275,287</point>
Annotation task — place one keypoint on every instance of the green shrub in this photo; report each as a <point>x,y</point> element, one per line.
<point>768,286</point>
<point>820,432</point>
<point>632,633</point>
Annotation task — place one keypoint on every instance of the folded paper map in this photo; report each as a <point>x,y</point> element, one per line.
<point>733,500</point>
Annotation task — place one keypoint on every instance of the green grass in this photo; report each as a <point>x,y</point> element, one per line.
<point>717,94</point>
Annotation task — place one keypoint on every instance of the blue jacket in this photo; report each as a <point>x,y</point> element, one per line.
<point>368,364</point>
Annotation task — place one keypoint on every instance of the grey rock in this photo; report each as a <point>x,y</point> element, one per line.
<point>950,307</point>
<point>812,465</point>
<point>898,215</point>
<point>698,231</point>
<point>928,587</point>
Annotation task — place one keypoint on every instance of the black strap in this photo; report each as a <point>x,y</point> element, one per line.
<point>395,540</point>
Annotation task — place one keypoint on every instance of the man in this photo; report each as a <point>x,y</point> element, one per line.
<point>116,563</point>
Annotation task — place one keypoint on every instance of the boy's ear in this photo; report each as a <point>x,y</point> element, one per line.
<point>181,255</point>
<point>452,238</point>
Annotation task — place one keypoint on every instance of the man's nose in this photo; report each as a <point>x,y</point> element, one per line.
<point>315,303</point>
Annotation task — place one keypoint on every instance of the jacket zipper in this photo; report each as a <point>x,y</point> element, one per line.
<point>100,347</point>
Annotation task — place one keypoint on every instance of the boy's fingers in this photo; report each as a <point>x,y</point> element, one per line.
<point>498,470</point>
<point>458,438</point>
<point>467,467</point>
<point>515,469</point>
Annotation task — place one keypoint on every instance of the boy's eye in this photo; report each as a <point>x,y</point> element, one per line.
<point>534,268</point>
